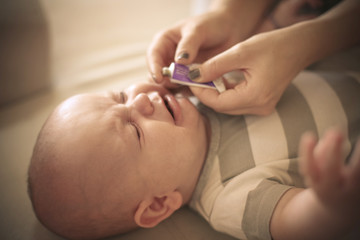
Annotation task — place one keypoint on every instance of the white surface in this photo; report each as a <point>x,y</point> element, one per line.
<point>101,37</point>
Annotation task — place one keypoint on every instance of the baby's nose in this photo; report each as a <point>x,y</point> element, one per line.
<point>143,104</point>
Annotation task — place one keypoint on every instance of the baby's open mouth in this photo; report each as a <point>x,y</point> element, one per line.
<point>173,107</point>
<point>169,108</point>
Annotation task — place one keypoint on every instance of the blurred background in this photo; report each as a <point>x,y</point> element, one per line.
<point>58,43</point>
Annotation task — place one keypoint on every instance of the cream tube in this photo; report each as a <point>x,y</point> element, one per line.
<point>178,73</point>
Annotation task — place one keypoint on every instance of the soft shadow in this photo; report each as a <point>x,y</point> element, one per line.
<point>25,50</point>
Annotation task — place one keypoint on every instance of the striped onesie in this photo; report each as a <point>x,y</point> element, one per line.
<point>252,161</point>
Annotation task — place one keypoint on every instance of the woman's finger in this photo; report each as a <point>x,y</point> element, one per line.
<point>161,53</point>
<point>188,46</point>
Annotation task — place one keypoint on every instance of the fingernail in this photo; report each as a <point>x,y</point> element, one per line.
<point>194,74</point>
<point>183,55</point>
<point>153,76</point>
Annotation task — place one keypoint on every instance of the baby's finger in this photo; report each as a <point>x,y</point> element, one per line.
<point>354,165</point>
<point>308,165</point>
<point>330,159</point>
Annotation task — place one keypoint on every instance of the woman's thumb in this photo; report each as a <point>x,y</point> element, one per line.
<point>215,67</point>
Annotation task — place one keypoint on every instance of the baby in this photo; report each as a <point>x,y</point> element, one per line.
<point>104,164</point>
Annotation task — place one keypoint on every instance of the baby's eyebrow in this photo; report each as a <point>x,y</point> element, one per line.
<point>123,97</point>
<point>118,96</point>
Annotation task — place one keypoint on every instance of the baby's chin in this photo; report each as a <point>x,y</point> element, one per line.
<point>190,112</point>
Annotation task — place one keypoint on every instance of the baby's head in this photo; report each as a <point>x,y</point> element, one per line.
<point>106,163</point>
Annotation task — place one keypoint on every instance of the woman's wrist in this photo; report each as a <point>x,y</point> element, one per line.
<point>306,42</point>
<point>243,15</point>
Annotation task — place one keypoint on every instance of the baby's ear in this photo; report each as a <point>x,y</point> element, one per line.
<point>151,212</point>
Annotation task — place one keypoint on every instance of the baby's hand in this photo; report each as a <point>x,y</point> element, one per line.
<point>336,184</point>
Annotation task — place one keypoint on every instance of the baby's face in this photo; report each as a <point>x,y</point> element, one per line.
<point>144,129</point>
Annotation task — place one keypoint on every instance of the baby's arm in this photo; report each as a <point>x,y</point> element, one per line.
<point>330,206</point>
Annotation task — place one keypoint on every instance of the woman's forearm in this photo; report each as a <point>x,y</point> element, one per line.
<point>335,30</point>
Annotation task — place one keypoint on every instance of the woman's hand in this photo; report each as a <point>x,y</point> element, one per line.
<point>272,59</point>
<point>194,39</point>
<point>199,38</point>
<point>269,62</point>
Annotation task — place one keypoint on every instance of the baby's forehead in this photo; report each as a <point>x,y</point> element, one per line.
<point>80,109</point>
<point>79,99</point>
